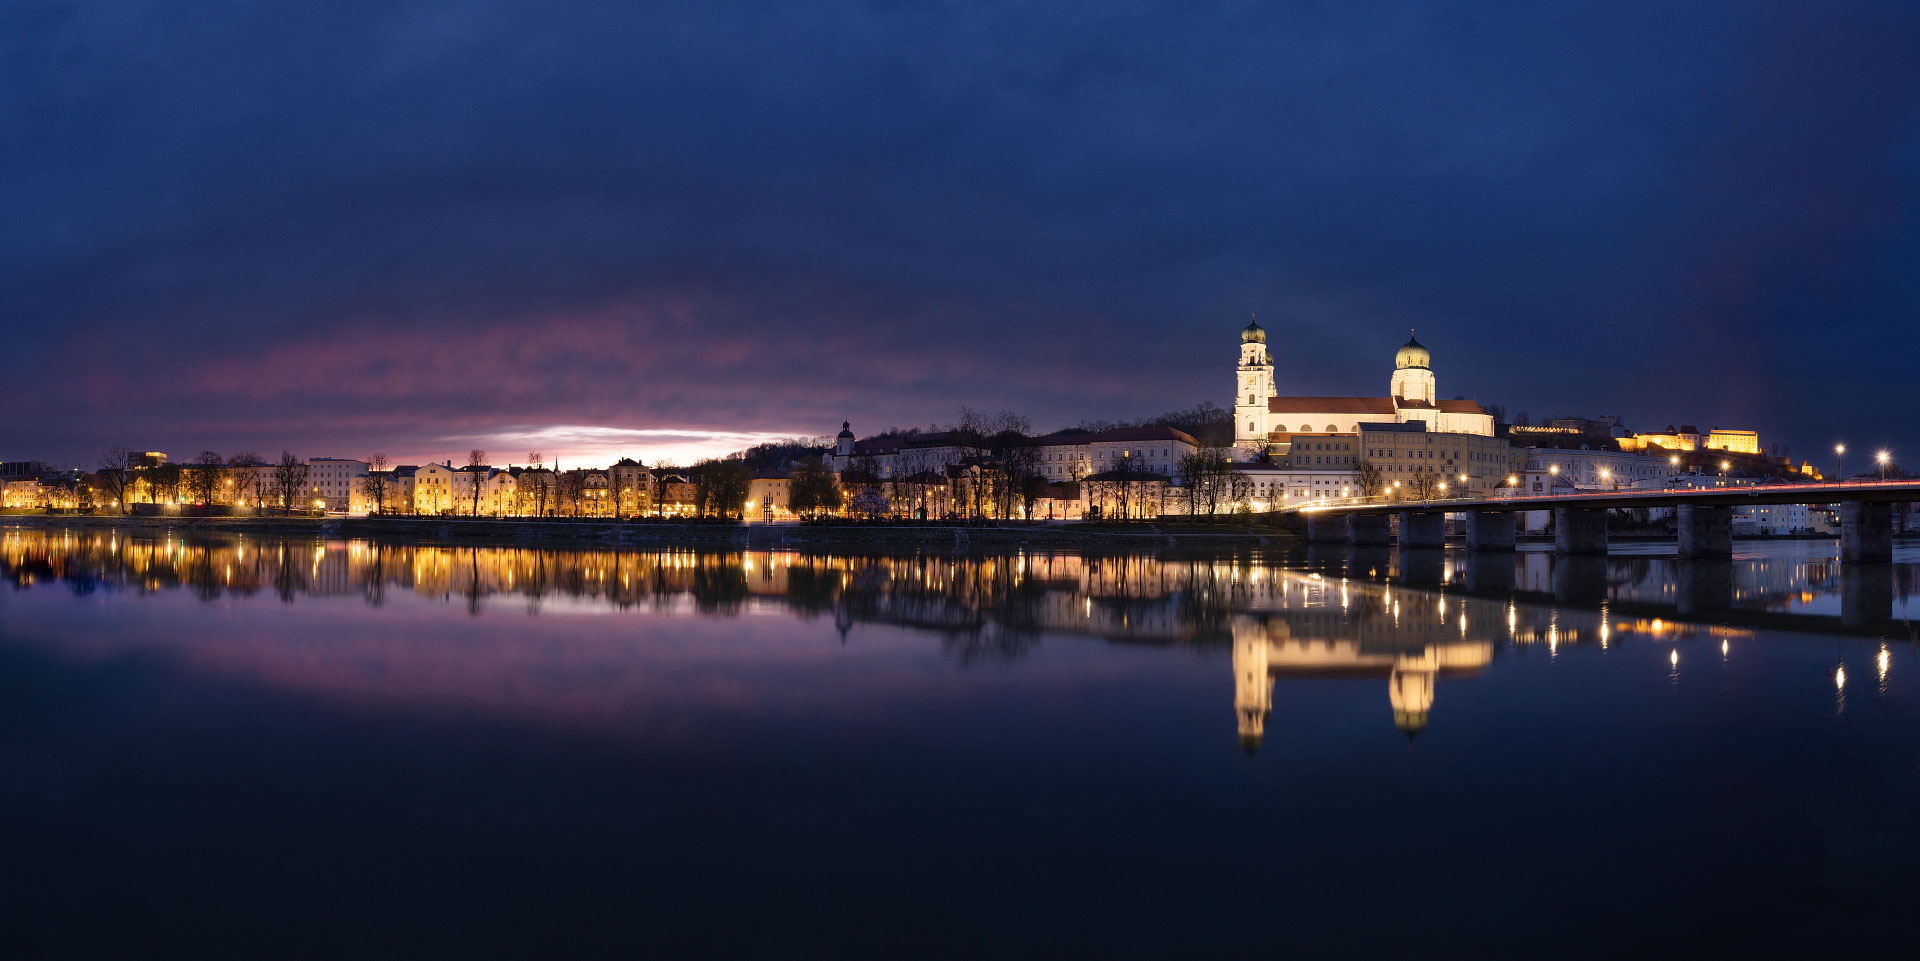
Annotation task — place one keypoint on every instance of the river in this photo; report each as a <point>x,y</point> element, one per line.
<point>260,747</point>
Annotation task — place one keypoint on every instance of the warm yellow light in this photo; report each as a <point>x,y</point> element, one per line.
<point>1839,676</point>
<point>1881,457</point>
<point>1882,661</point>
<point>1839,448</point>
<point>1553,468</point>
<point>1673,658</point>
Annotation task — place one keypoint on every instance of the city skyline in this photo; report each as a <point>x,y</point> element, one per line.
<point>342,235</point>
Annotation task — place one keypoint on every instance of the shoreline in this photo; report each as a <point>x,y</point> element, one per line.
<point>608,533</point>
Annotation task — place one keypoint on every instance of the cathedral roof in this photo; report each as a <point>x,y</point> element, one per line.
<point>1412,354</point>
<point>1330,405</point>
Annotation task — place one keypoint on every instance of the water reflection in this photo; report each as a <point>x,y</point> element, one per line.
<point>1410,619</point>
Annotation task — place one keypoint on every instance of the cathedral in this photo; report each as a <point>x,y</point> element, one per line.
<point>1263,418</point>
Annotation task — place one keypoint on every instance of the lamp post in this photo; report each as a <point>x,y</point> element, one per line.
<point>1881,459</point>
<point>1838,450</point>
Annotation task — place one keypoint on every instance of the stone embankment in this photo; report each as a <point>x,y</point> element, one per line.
<point>615,533</point>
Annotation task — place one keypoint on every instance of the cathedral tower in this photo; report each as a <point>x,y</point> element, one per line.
<point>1412,374</point>
<point>1251,417</point>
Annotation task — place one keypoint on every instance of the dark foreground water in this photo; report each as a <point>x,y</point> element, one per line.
<point>272,749</point>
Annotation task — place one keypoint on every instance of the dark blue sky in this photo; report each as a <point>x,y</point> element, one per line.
<point>343,227</point>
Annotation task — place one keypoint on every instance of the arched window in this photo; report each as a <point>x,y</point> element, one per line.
<point>1331,429</point>
<point>1282,428</point>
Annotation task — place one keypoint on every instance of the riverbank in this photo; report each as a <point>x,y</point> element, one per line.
<point>601,532</point>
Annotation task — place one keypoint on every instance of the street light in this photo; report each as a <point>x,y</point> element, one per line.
<point>1838,449</point>
<point>1881,458</point>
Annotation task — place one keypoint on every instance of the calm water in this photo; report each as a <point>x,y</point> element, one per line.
<point>271,748</point>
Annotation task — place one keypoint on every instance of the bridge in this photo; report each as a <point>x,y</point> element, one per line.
<point>1703,517</point>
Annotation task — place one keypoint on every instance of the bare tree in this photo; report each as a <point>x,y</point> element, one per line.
<point>203,476</point>
<point>289,480</point>
<point>250,478</point>
<point>1423,486</point>
<point>116,467</point>
<point>476,476</point>
<point>1369,479</point>
<point>374,484</point>
<point>570,489</point>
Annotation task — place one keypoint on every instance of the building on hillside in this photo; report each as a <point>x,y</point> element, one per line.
<point>1688,438</point>
<point>1263,417</point>
<point>1734,441</point>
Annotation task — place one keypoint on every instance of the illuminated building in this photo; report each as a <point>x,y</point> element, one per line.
<point>1263,418</point>
<point>336,481</point>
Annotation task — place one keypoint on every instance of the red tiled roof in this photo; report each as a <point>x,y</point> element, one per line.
<point>1330,405</point>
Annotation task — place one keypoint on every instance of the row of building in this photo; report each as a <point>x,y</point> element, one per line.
<point>1286,450</point>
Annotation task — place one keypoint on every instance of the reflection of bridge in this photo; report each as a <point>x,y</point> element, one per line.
<point>1703,518</point>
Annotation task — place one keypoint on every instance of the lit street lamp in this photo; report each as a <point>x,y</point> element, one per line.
<point>1838,449</point>
<point>1881,458</point>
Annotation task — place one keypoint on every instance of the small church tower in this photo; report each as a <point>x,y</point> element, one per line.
<point>843,444</point>
<point>1251,418</point>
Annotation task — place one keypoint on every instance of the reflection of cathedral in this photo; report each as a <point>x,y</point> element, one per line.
<point>1328,642</point>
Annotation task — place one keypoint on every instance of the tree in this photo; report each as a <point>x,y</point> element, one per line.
<point>570,488</point>
<point>374,485</point>
<point>250,477</point>
<point>116,468</point>
<point>869,503</point>
<point>536,487</point>
<point>203,476</point>
<point>811,489</point>
<point>720,487</point>
<point>1369,479</point>
<point>476,476</point>
<point>1423,486</point>
<point>289,481</point>
<point>163,482</point>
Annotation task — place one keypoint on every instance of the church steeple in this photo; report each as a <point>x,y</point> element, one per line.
<point>1254,385</point>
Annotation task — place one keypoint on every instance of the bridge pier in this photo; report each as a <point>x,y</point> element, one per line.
<point>1703,585</point>
<point>1866,594</point>
<point>1866,532</point>
<point>1580,530</point>
<point>1422,567</point>
<point>1326,529</point>
<point>1705,532</point>
<point>1423,529</point>
<point>1488,572</point>
<point>1579,579</point>
<point>1369,530</point>
<point>1489,530</point>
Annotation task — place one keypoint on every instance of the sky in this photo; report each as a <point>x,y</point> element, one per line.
<point>668,229</point>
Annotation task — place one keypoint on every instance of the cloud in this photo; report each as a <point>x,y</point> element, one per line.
<point>353,224</point>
